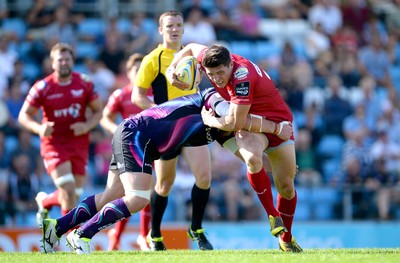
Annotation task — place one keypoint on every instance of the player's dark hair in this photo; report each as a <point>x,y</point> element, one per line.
<point>62,47</point>
<point>216,55</point>
<point>169,13</point>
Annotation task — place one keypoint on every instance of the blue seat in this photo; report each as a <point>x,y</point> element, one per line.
<point>15,25</point>
<point>243,48</point>
<point>81,68</point>
<point>31,70</point>
<point>267,49</point>
<point>330,169</point>
<point>86,50</point>
<point>93,27</point>
<point>395,74</point>
<point>325,199</point>
<point>330,146</point>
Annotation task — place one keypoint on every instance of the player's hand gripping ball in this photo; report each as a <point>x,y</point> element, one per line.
<point>188,70</point>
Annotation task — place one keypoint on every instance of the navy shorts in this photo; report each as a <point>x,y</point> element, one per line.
<point>133,151</point>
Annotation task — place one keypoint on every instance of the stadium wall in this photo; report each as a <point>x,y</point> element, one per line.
<point>244,235</point>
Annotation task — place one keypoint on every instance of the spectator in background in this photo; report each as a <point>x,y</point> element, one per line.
<point>316,42</point>
<point>249,21</point>
<point>355,13</point>
<point>102,78</point>
<point>14,102</point>
<point>7,58</point>
<point>389,120</point>
<point>389,151</point>
<point>374,26</point>
<point>38,17</point>
<point>19,77</point>
<point>141,38</point>
<point>372,103</point>
<point>27,147</point>
<point>24,185</point>
<point>308,174</point>
<point>221,18</point>
<point>336,108</point>
<point>375,61</point>
<point>7,204</point>
<point>383,183</point>
<point>362,198</point>
<point>323,67</point>
<point>198,28</point>
<point>3,10</point>
<point>232,194</point>
<point>328,14</point>
<point>345,39</point>
<point>393,19</point>
<point>287,9</point>
<point>346,64</point>
<point>112,53</point>
<point>4,154</point>
<point>356,125</point>
<point>61,29</point>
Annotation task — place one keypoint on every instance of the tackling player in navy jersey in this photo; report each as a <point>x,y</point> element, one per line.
<point>137,142</point>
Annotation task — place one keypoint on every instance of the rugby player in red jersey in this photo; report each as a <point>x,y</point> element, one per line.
<point>70,108</point>
<point>250,90</point>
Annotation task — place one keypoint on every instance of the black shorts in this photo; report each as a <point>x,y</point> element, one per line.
<point>133,151</point>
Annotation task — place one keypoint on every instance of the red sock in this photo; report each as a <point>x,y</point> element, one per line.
<point>262,186</point>
<point>51,200</point>
<point>145,217</point>
<point>120,227</point>
<point>287,209</point>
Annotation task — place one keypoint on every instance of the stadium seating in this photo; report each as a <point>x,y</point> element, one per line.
<point>15,25</point>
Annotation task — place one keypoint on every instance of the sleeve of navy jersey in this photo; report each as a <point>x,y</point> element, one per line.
<point>176,123</point>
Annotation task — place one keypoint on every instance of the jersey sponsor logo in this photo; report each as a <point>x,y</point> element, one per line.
<point>242,88</point>
<point>241,73</point>
<point>72,110</point>
<point>120,165</point>
<point>77,93</point>
<point>55,96</point>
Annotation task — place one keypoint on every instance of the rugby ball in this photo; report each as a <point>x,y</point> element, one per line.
<point>188,70</point>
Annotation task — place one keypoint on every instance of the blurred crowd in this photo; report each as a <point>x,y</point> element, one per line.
<point>336,63</point>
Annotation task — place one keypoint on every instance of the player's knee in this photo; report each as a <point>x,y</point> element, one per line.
<point>286,190</point>
<point>254,163</point>
<point>163,189</point>
<point>136,200</point>
<point>204,181</point>
<point>64,180</point>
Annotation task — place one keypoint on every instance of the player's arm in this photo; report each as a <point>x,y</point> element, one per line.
<point>107,120</point>
<point>235,120</point>
<point>27,120</point>
<point>192,49</point>
<point>140,98</point>
<point>80,128</point>
<point>253,123</point>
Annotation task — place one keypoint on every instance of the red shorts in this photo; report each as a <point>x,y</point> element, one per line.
<point>274,140</point>
<point>54,155</point>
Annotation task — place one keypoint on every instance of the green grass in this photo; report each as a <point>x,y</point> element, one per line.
<point>223,256</point>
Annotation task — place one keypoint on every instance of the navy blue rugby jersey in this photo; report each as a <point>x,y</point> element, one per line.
<point>177,123</point>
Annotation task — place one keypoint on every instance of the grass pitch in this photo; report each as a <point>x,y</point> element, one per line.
<point>216,256</point>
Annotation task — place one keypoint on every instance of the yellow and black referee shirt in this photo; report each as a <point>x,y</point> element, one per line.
<point>152,74</point>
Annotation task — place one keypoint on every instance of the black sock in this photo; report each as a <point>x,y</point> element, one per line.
<point>158,206</point>
<point>199,203</point>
